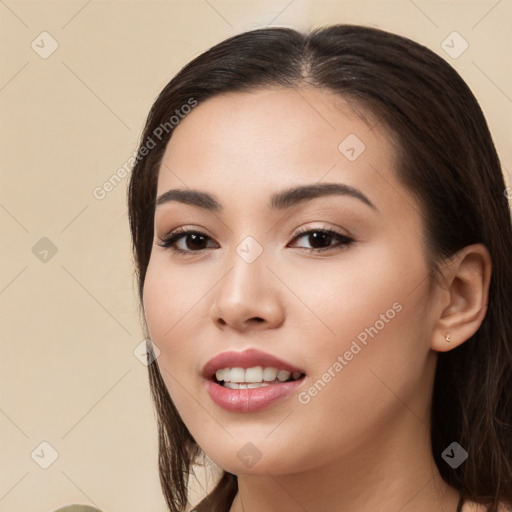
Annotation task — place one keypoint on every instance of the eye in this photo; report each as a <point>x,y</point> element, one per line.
<point>323,237</point>
<point>196,241</point>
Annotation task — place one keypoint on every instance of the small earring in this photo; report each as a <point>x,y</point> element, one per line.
<point>447,338</point>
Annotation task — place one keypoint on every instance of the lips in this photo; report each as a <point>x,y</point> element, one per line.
<point>249,400</point>
<point>246,359</point>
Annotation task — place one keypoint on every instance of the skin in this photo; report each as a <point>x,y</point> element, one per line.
<point>362,443</point>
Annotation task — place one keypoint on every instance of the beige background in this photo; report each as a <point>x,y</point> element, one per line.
<point>70,324</point>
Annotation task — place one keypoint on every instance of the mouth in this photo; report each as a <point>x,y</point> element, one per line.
<point>254,377</point>
<point>250,380</point>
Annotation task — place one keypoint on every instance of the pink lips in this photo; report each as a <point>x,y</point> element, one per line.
<point>248,400</point>
<point>246,359</point>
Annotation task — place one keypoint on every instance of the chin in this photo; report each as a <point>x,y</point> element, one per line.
<point>247,458</point>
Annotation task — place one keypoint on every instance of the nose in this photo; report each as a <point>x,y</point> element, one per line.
<point>249,296</point>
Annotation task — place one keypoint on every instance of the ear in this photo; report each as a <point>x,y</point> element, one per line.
<point>465,294</point>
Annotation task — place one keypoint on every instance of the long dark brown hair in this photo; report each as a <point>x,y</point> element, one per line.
<point>445,157</point>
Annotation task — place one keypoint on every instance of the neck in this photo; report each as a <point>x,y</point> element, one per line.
<point>394,472</point>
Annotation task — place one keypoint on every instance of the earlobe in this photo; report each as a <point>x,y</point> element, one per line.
<point>467,279</point>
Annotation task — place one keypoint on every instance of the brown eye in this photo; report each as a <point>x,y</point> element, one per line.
<point>194,241</point>
<point>320,239</point>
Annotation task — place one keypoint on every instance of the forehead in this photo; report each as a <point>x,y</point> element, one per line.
<point>245,145</point>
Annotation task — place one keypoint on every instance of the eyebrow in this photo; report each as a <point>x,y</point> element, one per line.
<point>278,201</point>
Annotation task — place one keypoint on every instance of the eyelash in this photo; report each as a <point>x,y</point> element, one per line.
<point>169,240</point>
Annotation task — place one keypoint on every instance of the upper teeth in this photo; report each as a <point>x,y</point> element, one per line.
<point>254,374</point>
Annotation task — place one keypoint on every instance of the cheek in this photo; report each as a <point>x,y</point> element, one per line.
<point>375,292</point>
<point>171,299</point>
<point>371,340</point>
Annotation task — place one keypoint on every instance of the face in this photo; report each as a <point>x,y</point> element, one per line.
<point>333,284</point>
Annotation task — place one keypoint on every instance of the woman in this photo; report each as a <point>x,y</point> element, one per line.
<point>369,369</point>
